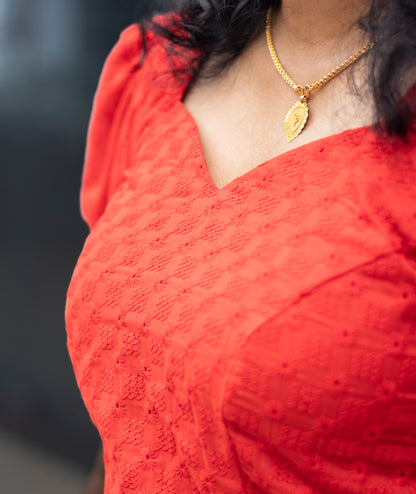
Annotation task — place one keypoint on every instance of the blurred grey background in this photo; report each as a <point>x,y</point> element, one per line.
<point>51,55</point>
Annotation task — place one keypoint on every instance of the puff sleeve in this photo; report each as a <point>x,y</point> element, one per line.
<point>104,161</point>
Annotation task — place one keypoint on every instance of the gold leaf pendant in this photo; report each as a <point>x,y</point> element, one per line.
<point>296,119</point>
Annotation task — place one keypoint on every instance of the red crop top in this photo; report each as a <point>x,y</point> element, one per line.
<point>259,338</point>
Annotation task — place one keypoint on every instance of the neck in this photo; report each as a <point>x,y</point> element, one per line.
<point>320,21</point>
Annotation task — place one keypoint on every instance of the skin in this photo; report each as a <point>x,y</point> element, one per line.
<point>95,483</point>
<point>240,114</point>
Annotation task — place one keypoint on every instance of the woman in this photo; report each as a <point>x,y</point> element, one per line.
<point>243,315</point>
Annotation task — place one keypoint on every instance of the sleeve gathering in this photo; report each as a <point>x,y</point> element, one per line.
<point>100,176</point>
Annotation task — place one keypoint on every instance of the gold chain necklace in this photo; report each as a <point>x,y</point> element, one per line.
<point>298,114</point>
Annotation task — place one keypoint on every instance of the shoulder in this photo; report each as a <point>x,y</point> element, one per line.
<point>126,85</point>
<point>137,51</point>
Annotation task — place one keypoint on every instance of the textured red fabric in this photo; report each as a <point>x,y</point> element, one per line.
<point>260,338</point>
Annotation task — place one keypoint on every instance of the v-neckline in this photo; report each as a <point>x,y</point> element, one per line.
<point>179,88</point>
<point>305,148</point>
<point>177,91</point>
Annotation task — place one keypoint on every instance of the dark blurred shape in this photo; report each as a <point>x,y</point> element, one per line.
<point>51,54</point>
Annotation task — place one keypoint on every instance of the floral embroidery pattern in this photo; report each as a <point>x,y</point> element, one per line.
<point>255,338</point>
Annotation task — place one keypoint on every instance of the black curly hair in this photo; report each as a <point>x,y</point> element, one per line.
<point>220,29</point>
